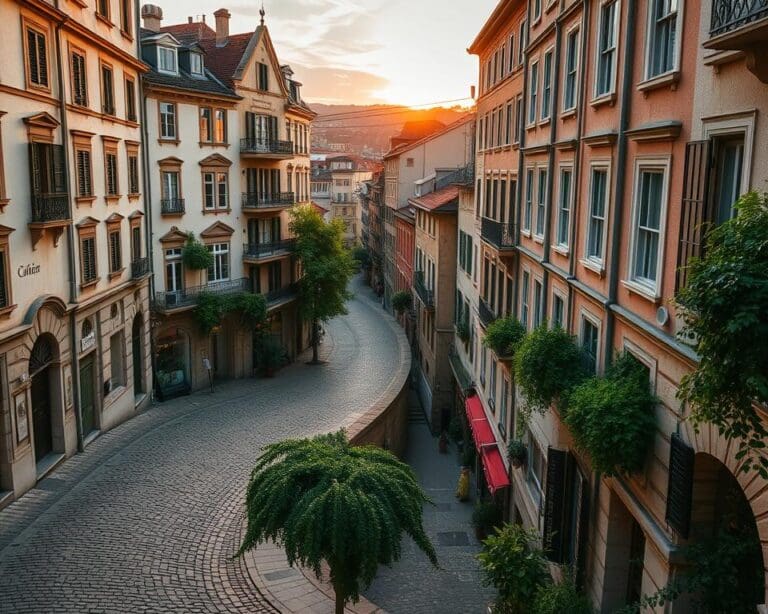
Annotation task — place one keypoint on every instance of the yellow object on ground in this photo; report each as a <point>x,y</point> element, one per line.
<point>462,490</point>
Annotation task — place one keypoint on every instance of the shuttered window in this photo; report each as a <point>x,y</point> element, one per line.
<point>130,100</point>
<point>79,82</point>
<point>680,486</point>
<point>3,281</point>
<point>263,76</point>
<point>111,170</point>
<point>88,258</point>
<point>115,253</point>
<point>37,52</point>
<point>102,8</point>
<point>133,174</point>
<point>84,183</point>
<point>47,169</point>
<point>554,505</point>
<point>107,90</point>
<point>694,214</point>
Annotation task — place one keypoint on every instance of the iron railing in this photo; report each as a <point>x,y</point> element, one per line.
<point>426,295</point>
<point>461,176</point>
<point>139,268</point>
<point>254,200</point>
<point>281,294</point>
<point>172,206</point>
<point>50,208</point>
<point>728,15</point>
<point>501,236</point>
<point>267,250</point>
<point>265,146</point>
<point>165,301</point>
<point>487,315</point>
<point>460,372</point>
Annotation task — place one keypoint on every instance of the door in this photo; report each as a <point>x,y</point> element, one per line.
<point>138,368</point>
<point>174,278</point>
<point>41,414</point>
<point>87,406</point>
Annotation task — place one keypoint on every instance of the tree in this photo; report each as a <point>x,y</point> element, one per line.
<point>327,267</point>
<point>326,500</point>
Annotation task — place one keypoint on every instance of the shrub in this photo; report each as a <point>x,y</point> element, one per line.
<point>613,418</point>
<point>195,255</point>
<point>517,451</point>
<point>548,364</point>
<point>209,311</point>
<point>504,335</point>
<point>563,598</point>
<point>401,301</point>
<point>361,256</point>
<point>724,309</point>
<point>252,308</point>
<point>486,516</point>
<point>515,566</point>
<point>270,356</point>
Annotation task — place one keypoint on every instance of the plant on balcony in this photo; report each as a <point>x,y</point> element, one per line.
<point>612,418</point>
<point>514,564</point>
<point>326,501</point>
<point>561,598</point>
<point>402,301</point>
<point>723,307</point>
<point>504,335</point>
<point>517,452</point>
<point>462,330</point>
<point>251,307</point>
<point>209,311</point>
<point>548,364</point>
<point>327,268</point>
<point>195,255</point>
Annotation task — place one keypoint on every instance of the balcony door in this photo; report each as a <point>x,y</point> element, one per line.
<point>729,161</point>
<point>260,129</point>
<point>264,231</point>
<point>174,275</point>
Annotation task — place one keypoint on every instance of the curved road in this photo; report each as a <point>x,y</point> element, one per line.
<point>147,520</point>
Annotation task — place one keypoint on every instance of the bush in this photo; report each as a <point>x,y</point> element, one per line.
<point>486,516</point>
<point>361,256</point>
<point>195,255</point>
<point>563,598</point>
<point>613,418</point>
<point>504,335</point>
<point>517,451</point>
<point>252,308</point>
<point>209,311</point>
<point>515,566</point>
<point>548,365</point>
<point>270,355</point>
<point>401,301</point>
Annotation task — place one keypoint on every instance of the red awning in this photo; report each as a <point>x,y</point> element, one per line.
<point>482,433</point>
<point>475,409</point>
<point>496,475</point>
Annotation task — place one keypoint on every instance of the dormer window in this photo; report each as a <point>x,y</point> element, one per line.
<point>166,60</point>
<point>196,64</point>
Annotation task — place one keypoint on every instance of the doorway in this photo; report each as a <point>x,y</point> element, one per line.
<point>138,355</point>
<point>40,370</point>
<point>87,396</point>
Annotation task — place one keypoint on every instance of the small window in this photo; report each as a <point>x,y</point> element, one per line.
<point>521,43</point>
<point>166,60</point>
<point>130,100</point>
<point>533,92</point>
<point>117,362</point>
<point>546,94</point>
<point>115,252</point>
<point>662,37</point>
<point>37,58</point>
<point>126,16</point>
<point>571,70</point>
<point>219,270</point>
<point>133,174</point>
<point>110,163</point>
<point>589,342</point>
<point>167,120</point>
<point>107,90</point>
<point>524,304</point>
<point>79,80</point>
<point>536,9</point>
<point>528,200</point>
<point>216,190</point>
<point>598,197</point>
<point>84,181</point>
<point>220,126</point>
<point>206,124</point>
<point>5,293</point>
<point>262,77</point>
<point>409,162</point>
<point>88,259</point>
<point>564,208</point>
<point>541,202</point>
<point>647,227</point>
<point>102,8</point>
<point>606,49</point>
<point>558,311</point>
<point>538,303</point>
<point>196,64</point>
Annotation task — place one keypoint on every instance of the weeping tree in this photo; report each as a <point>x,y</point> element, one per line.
<point>327,266</point>
<point>323,499</point>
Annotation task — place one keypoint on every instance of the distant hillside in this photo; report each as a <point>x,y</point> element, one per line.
<point>371,126</point>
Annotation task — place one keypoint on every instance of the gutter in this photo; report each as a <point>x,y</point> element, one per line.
<point>520,166</point>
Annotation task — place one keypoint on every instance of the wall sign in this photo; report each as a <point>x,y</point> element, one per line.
<point>22,423</point>
<point>27,270</point>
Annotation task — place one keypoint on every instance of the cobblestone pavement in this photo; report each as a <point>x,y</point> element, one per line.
<point>413,585</point>
<point>147,520</point>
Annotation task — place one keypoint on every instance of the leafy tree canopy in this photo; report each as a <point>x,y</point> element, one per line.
<point>195,255</point>
<point>503,335</point>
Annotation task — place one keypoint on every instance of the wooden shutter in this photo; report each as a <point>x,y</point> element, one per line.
<point>78,79</point>
<point>58,169</point>
<point>114,251</point>
<point>88,249</point>
<point>576,519</point>
<point>680,486</point>
<point>84,173</point>
<point>36,157</point>
<point>554,505</point>
<point>136,242</point>
<point>250,125</point>
<point>695,210</point>
<point>3,282</point>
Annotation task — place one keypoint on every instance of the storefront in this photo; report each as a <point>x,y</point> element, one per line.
<point>173,355</point>
<point>494,476</point>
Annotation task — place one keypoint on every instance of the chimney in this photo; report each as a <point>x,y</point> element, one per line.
<point>189,20</point>
<point>152,16</point>
<point>222,26</point>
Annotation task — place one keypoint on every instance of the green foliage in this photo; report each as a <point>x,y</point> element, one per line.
<point>401,301</point>
<point>195,255</point>
<point>486,516</point>
<point>504,335</point>
<point>724,308</point>
<point>563,598</point>
<point>462,330</point>
<point>271,355</point>
<point>252,308</point>
<point>209,311</point>
<point>361,256</point>
<point>548,364</point>
<point>513,563</point>
<point>325,500</point>
<point>517,450</point>
<point>613,418</point>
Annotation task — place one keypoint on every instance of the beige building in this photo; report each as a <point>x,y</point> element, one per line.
<point>74,290</point>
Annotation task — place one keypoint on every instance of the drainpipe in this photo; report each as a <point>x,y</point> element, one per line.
<point>521,166</point>
<point>70,239</point>
<point>621,158</point>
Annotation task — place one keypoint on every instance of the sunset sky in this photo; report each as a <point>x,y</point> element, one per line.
<point>364,51</point>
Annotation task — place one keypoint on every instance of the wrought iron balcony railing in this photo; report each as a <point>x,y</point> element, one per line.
<point>253,200</point>
<point>50,208</point>
<point>187,297</point>
<point>268,250</point>
<point>172,206</point>
<point>426,295</point>
<point>281,294</point>
<point>501,236</point>
<point>266,146</point>
<point>487,314</point>
<point>139,268</point>
<point>729,15</point>
<point>461,176</point>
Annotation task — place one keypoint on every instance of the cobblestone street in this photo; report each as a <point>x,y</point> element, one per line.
<point>147,520</point>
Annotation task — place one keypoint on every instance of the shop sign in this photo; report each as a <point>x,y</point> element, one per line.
<point>27,270</point>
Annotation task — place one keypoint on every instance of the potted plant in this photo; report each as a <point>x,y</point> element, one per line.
<point>462,331</point>
<point>402,301</point>
<point>517,452</point>
<point>271,356</point>
<point>503,336</point>
<point>485,517</point>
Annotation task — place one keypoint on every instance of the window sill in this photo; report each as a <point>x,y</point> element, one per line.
<point>105,20</point>
<point>526,233</point>
<point>115,274</point>
<point>168,141</point>
<point>594,266</point>
<point>4,202</point>
<point>216,211</point>
<point>112,198</point>
<point>86,285</point>
<point>531,126</point>
<point>568,113</point>
<point>609,99</point>
<point>544,121</point>
<point>642,291</point>
<point>126,35</point>
<point>563,250</point>
<point>212,144</point>
<point>667,79</point>
<point>84,200</point>
<point>134,196</point>
<point>5,312</point>
<point>538,239</point>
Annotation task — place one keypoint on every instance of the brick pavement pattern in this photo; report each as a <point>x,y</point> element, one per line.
<point>148,518</point>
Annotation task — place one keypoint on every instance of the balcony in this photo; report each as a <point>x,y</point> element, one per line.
<point>280,296</point>
<point>253,201</point>
<point>501,236</point>
<point>487,315</point>
<point>169,301</point>
<point>426,295</point>
<point>742,25</point>
<point>264,148</point>
<point>460,372</point>
<point>462,176</point>
<point>172,206</point>
<point>139,268</point>
<point>50,214</point>
<point>263,251</point>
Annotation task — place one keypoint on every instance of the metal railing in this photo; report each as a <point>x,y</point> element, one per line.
<point>172,206</point>
<point>459,370</point>
<point>461,176</point>
<point>280,294</point>
<point>728,15</point>
<point>267,250</point>
<point>426,295</point>
<point>139,268</point>
<point>254,200</point>
<point>188,296</point>
<point>50,208</point>
<point>501,236</point>
<point>487,315</point>
<point>265,146</point>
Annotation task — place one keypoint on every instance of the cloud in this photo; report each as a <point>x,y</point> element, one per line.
<point>335,86</point>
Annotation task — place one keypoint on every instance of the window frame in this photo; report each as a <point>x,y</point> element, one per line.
<point>586,317</point>
<point>650,40</point>
<point>81,142</point>
<point>88,233</point>
<point>41,30</point>
<point>533,94</point>
<point>611,91</point>
<point>131,110</point>
<point>574,32</point>
<point>592,261</point>
<point>5,266</point>
<point>193,57</point>
<point>542,181</point>
<point>107,90</point>
<point>216,184</point>
<point>217,250</point>
<point>110,150</point>
<point>175,123</point>
<point>174,53</point>
<point>557,295</point>
<point>530,177</point>
<point>114,237</point>
<point>546,85</point>
<point>74,93</point>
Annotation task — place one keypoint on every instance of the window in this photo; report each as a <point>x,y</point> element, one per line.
<point>110,168</point>
<point>135,240</point>
<point>528,200</point>
<point>511,52</point>
<point>130,100</point>
<point>409,162</point>
<point>84,180</point>
<point>219,270</point>
<point>538,303</point>
<point>107,90</point>
<point>167,120</point>
<point>649,205</point>
<point>537,467</point>
<point>174,270</point>
<point>504,407</point>
<point>564,208</point>
<point>524,305</point>
<point>170,185</point>
<point>115,252</point>
<point>126,16</point>
<point>88,259</point>
<point>558,311</point>
<point>541,202</point>
<point>206,124</point>
<point>606,48</point>
<point>590,336</point>
<point>598,195</point>
<point>521,42</point>
<point>79,81</point>
<point>508,124</point>
<point>729,167</point>
<point>117,362</point>
<point>196,64</point>
<point>166,60</point>
<point>571,70</point>
<point>533,92</point>
<point>216,190</point>
<point>102,8</point>
<point>262,76</point>
<point>220,126</point>
<point>133,174</point>
<point>518,118</point>
<point>37,58</point>
<point>546,94</point>
<point>483,365</point>
<point>536,9</point>
<point>5,291</point>
<point>662,37</point>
